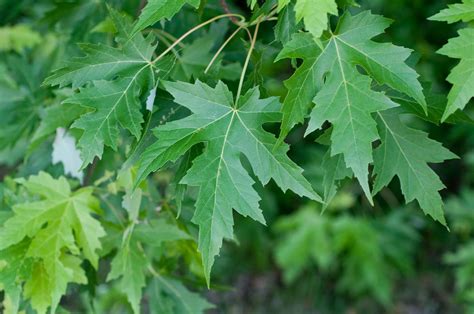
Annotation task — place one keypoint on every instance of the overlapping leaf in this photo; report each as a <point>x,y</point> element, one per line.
<point>130,263</point>
<point>114,102</point>
<point>169,296</point>
<point>456,12</point>
<point>58,230</point>
<point>18,37</point>
<point>405,153</point>
<point>314,13</point>
<point>345,97</point>
<point>230,130</point>
<point>193,59</point>
<point>302,85</point>
<point>461,47</point>
<point>156,10</point>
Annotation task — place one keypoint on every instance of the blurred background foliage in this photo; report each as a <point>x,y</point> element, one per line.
<point>351,258</point>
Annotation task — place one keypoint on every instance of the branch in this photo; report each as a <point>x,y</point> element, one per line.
<point>226,9</point>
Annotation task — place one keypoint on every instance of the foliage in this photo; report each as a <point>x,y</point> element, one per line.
<point>355,248</point>
<point>460,48</point>
<point>184,111</point>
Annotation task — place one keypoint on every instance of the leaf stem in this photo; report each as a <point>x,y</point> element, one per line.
<point>216,55</point>
<point>168,35</point>
<point>168,44</point>
<point>247,60</point>
<point>192,30</point>
<point>226,9</point>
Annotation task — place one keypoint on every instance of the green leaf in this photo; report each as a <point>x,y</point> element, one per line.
<point>49,282</point>
<point>456,12</point>
<point>130,262</point>
<point>105,63</point>
<point>462,75</point>
<point>18,112</point>
<point>301,85</point>
<point>114,103</point>
<point>129,265</point>
<point>58,115</point>
<point>169,296</point>
<point>345,97</point>
<point>14,265</point>
<point>286,25</point>
<point>383,62</point>
<point>61,228</point>
<point>405,153</point>
<point>18,37</point>
<point>335,170</point>
<point>159,231</point>
<point>66,214</point>
<point>365,268</point>
<point>193,59</point>
<point>229,130</point>
<point>156,10</point>
<point>307,236</point>
<point>461,47</point>
<point>436,105</point>
<point>314,13</point>
<point>100,63</point>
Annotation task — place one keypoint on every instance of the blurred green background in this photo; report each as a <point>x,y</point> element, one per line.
<point>353,258</point>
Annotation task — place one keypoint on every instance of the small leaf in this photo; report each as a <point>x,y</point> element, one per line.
<point>456,12</point>
<point>169,296</point>
<point>129,265</point>
<point>156,10</point>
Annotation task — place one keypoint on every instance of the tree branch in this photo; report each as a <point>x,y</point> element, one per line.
<point>226,9</point>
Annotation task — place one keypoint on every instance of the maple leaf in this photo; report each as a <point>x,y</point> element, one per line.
<point>462,75</point>
<point>14,266</point>
<point>383,62</point>
<point>169,296</point>
<point>461,47</point>
<point>345,97</point>
<point>130,262</point>
<point>129,265</point>
<point>229,130</point>
<point>125,73</point>
<point>18,37</point>
<point>103,62</point>
<point>314,13</point>
<point>334,170</point>
<point>59,222</point>
<point>117,104</point>
<point>56,116</point>
<point>456,12</point>
<point>286,25</point>
<point>192,60</point>
<point>301,85</point>
<point>49,281</point>
<point>156,10</point>
<point>405,153</point>
<point>20,99</point>
<point>307,236</point>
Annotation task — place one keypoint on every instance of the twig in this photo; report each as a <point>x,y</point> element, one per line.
<point>192,30</point>
<point>247,60</point>
<point>223,46</point>
<point>90,172</point>
<point>226,8</point>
